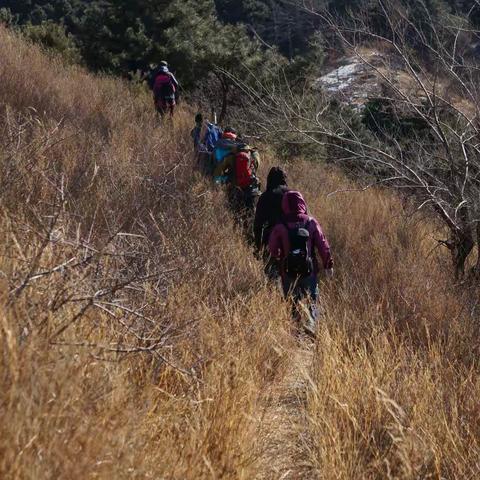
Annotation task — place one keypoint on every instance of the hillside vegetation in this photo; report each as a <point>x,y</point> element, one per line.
<point>140,339</point>
<point>211,44</point>
<point>196,35</point>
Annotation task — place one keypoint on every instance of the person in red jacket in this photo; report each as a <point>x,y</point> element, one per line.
<point>295,243</point>
<point>165,90</point>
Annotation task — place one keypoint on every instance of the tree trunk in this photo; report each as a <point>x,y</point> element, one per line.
<point>224,107</point>
<point>462,246</point>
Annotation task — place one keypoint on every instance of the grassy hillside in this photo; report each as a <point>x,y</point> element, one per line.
<point>139,338</point>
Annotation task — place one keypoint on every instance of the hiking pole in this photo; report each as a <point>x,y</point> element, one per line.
<point>214,115</point>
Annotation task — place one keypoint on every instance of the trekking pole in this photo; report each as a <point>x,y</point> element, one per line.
<point>214,116</point>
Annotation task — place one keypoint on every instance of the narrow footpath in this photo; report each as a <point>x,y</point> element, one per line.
<point>285,454</point>
<point>284,443</point>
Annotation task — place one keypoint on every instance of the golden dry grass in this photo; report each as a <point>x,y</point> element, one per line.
<point>139,338</point>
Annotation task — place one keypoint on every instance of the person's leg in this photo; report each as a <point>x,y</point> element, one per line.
<point>271,266</point>
<point>203,162</point>
<point>303,290</point>
<point>237,201</point>
<point>233,200</point>
<point>160,107</point>
<point>311,294</point>
<point>286,285</point>
<point>292,289</point>
<point>250,203</point>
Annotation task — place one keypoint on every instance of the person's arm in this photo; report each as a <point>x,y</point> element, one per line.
<point>321,243</point>
<point>260,220</point>
<point>151,78</point>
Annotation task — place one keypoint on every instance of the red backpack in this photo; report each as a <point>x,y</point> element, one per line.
<point>244,173</point>
<point>164,86</point>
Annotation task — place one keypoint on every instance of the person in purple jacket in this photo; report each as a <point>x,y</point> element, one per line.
<point>295,243</point>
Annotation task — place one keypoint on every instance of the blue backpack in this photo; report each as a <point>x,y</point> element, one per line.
<point>224,148</point>
<point>212,136</point>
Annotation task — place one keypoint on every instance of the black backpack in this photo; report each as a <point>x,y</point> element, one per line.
<point>299,261</point>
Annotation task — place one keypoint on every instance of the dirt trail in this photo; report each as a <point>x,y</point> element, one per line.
<point>283,432</point>
<point>284,429</point>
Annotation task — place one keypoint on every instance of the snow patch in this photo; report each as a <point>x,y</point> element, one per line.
<point>341,78</point>
<point>353,82</point>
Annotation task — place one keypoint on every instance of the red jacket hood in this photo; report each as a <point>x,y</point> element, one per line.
<point>293,205</point>
<point>295,211</point>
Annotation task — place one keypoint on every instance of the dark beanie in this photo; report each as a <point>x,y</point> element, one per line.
<point>276,177</point>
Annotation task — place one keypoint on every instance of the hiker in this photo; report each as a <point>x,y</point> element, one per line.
<point>165,90</point>
<point>269,207</point>
<point>236,165</point>
<point>227,146</point>
<point>293,242</point>
<point>196,132</point>
<point>235,162</point>
<point>267,215</point>
<point>205,136</point>
<point>210,134</point>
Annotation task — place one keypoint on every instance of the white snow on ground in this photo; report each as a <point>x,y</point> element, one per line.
<point>354,82</point>
<point>341,78</point>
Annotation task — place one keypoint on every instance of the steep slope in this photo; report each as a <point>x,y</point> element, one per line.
<point>136,328</point>
<point>140,339</point>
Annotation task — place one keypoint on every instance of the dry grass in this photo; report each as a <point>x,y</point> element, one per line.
<point>393,388</point>
<point>140,340</point>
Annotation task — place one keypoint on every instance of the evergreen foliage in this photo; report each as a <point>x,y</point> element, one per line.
<point>201,37</point>
<point>123,36</point>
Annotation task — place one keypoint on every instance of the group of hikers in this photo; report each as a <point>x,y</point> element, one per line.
<point>229,160</point>
<point>290,241</point>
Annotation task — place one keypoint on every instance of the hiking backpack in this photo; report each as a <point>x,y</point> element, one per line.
<point>244,172</point>
<point>299,261</point>
<point>212,136</point>
<point>223,149</point>
<point>164,86</point>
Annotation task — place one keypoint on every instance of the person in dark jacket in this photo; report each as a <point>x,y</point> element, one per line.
<point>269,206</point>
<point>196,133</point>
<point>267,215</point>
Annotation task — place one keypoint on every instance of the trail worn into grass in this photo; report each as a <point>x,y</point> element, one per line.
<point>285,439</point>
